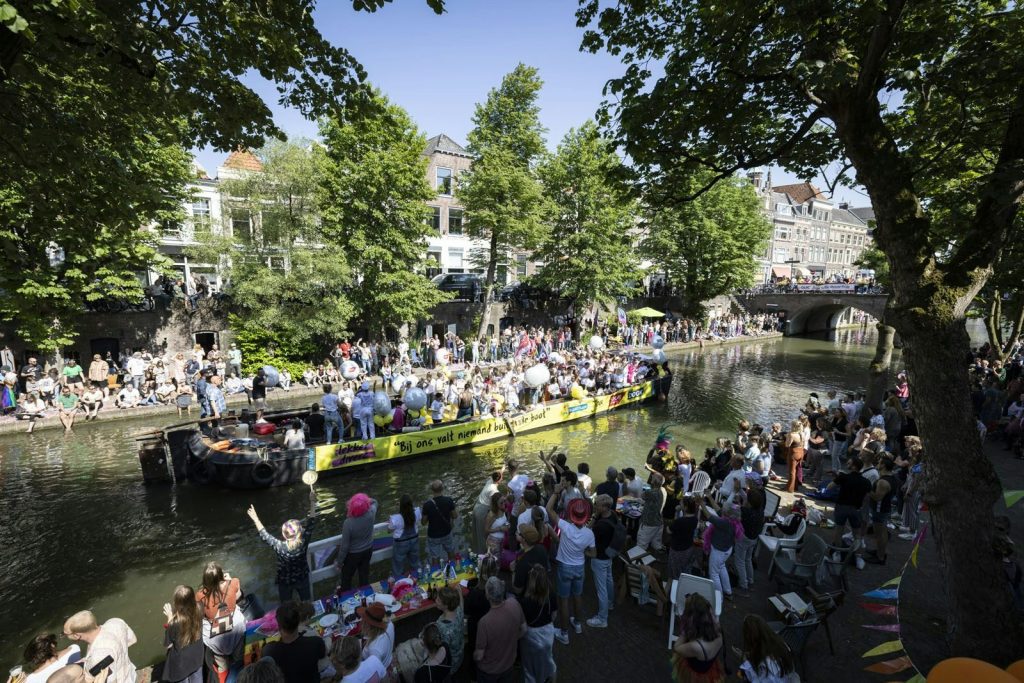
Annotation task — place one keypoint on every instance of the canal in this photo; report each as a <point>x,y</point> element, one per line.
<point>79,529</point>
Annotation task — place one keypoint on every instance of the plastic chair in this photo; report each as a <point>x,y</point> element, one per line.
<point>771,504</point>
<point>699,483</point>
<point>796,636</point>
<point>684,586</point>
<point>837,561</point>
<point>414,358</point>
<point>801,569</point>
<point>792,541</point>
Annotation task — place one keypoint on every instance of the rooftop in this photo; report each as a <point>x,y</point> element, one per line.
<point>243,160</point>
<point>801,192</point>
<point>445,145</point>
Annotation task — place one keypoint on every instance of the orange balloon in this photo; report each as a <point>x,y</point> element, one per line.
<point>1016,669</point>
<point>964,669</point>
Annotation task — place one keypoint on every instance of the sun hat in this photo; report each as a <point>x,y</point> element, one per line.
<point>373,614</point>
<point>578,511</point>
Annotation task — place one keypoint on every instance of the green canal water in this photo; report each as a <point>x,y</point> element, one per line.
<point>79,530</point>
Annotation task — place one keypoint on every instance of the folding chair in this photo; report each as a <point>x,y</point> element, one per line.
<point>793,541</point>
<point>684,586</point>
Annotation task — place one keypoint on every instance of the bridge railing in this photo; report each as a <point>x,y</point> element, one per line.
<point>813,289</point>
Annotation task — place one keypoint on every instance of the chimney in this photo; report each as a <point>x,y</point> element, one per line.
<point>757,179</point>
<point>845,206</point>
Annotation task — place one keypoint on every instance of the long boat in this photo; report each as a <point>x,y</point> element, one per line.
<point>235,459</point>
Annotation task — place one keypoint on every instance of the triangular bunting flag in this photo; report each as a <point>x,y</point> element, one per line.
<point>913,555</point>
<point>893,666</point>
<point>892,582</point>
<point>918,678</point>
<point>920,535</point>
<point>885,649</point>
<point>883,594</point>
<point>1011,497</point>
<point>887,610</point>
<point>893,628</point>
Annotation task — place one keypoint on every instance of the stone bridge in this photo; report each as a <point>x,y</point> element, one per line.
<point>811,312</point>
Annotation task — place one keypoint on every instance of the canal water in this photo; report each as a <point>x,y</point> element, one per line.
<point>79,530</point>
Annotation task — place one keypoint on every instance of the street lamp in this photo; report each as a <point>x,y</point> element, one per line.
<point>791,262</point>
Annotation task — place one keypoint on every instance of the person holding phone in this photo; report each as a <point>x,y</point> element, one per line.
<point>111,640</point>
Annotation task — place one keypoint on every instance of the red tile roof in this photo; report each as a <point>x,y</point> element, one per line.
<point>243,160</point>
<point>800,192</point>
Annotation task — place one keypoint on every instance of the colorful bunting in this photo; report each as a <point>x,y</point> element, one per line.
<point>893,666</point>
<point>894,628</point>
<point>918,678</point>
<point>913,555</point>
<point>883,594</point>
<point>1011,497</point>
<point>884,649</point>
<point>887,610</point>
<point>893,582</point>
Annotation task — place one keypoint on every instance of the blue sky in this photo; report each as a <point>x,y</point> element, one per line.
<point>439,67</point>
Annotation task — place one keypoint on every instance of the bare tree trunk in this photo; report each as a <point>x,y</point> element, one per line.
<point>992,321</point>
<point>880,374</point>
<point>1018,322</point>
<point>492,269</point>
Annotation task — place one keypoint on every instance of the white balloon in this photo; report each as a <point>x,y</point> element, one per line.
<point>556,358</point>
<point>596,343</point>
<point>350,369</point>
<point>381,403</point>
<point>415,398</point>
<point>271,375</point>
<point>659,356</point>
<point>397,382</point>
<point>658,342</point>
<point>442,356</point>
<point>537,375</point>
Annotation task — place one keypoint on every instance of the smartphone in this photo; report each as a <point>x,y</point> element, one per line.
<point>101,665</point>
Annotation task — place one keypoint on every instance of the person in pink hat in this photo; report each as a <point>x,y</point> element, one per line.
<point>576,544</point>
<point>356,544</point>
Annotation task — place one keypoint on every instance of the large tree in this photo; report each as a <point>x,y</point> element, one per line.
<point>97,102</point>
<point>373,188</point>
<point>501,195</point>
<point>287,281</point>
<point>707,247</point>
<point>588,256</point>
<point>926,102</point>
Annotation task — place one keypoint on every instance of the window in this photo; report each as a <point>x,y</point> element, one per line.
<point>455,257</point>
<point>784,209</point>
<point>454,221</point>
<point>521,266</point>
<point>201,215</point>
<point>444,181</point>
<point>241,228</point>
<point>171,229</point>
<point>434,219</point>
<point>782,232</point>
<point>433,262</point>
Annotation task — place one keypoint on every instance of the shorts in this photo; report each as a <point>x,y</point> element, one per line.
<point>570,580</point>
<point>847,513</point>
<point>259,403</point>
<point>74,380</point>
<point>443,546</point>
<point>98,383</point>
<point>880,516</point>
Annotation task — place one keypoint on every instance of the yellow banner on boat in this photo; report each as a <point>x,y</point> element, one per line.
<point>456,435</point>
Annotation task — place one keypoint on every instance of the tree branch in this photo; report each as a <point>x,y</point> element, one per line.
<point>878,47</point>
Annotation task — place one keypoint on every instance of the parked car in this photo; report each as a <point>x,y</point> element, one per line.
<point>466,286</point>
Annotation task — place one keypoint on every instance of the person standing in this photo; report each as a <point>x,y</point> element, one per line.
<point>98,370</point>
<point>136,369</point>
<point>576,544</point>
<point>259,389</point>
<point>651,523</point>
<point>724,530</point>
<point>853,488</point>
<point>497,635</point>
<point>439,514</point>
<point>362,405</point>
<point>215,398</point>
<point>752,519</point>
<point>292,568</point>
<point>881,508</point>
<point>183,638</point>
<point>332,416</point>
<point>30,373</point>
<point>601,563</point>
<point>480,510</point>
<point>535,647</point>
<point>112,639</point>
<point>405,530</point>
<point>235,360</point>
<point>356,544</point>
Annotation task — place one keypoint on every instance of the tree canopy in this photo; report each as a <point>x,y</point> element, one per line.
<point>924,101</point>
<point>588,254</point>
<point>709,246</point>
<point>372,189</point>
<point>98,102</point>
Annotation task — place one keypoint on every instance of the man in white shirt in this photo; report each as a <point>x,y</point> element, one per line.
<point>136,369</point>
<point>482,507</point>
<point>737,475</point>
<point>128,397</point>
<point>575,545</point>
<point>112,639</point>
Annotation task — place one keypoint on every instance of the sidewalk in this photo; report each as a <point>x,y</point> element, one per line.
<point>8,425</point>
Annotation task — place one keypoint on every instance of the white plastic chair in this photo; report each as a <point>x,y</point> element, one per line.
<point>683,586</point>
<point>699,482</point>
<point>771,504</point>
<point>777,544</point>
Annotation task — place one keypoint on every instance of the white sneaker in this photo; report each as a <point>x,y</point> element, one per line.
<point>907,536</point>
<point>576,625</point>
<point>562,636</point>
<point>860,562</point>
<point>597,622</point>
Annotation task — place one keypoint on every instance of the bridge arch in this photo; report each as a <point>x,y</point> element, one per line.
<point>813,312</point>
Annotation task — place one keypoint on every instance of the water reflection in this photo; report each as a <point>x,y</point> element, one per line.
<point>81,530</point>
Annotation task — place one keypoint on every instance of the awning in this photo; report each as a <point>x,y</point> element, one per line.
<point>647,312</point>
<point>780,271</point>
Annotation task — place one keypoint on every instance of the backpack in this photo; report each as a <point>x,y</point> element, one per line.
<point>618,542</point>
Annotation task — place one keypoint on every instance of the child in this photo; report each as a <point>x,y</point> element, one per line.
<point>437,408</point>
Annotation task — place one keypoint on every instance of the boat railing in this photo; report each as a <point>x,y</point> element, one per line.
<point>320,554</point>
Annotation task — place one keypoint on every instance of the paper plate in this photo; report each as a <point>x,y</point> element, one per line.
<point>328,620</point>
<point>309,477</point>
